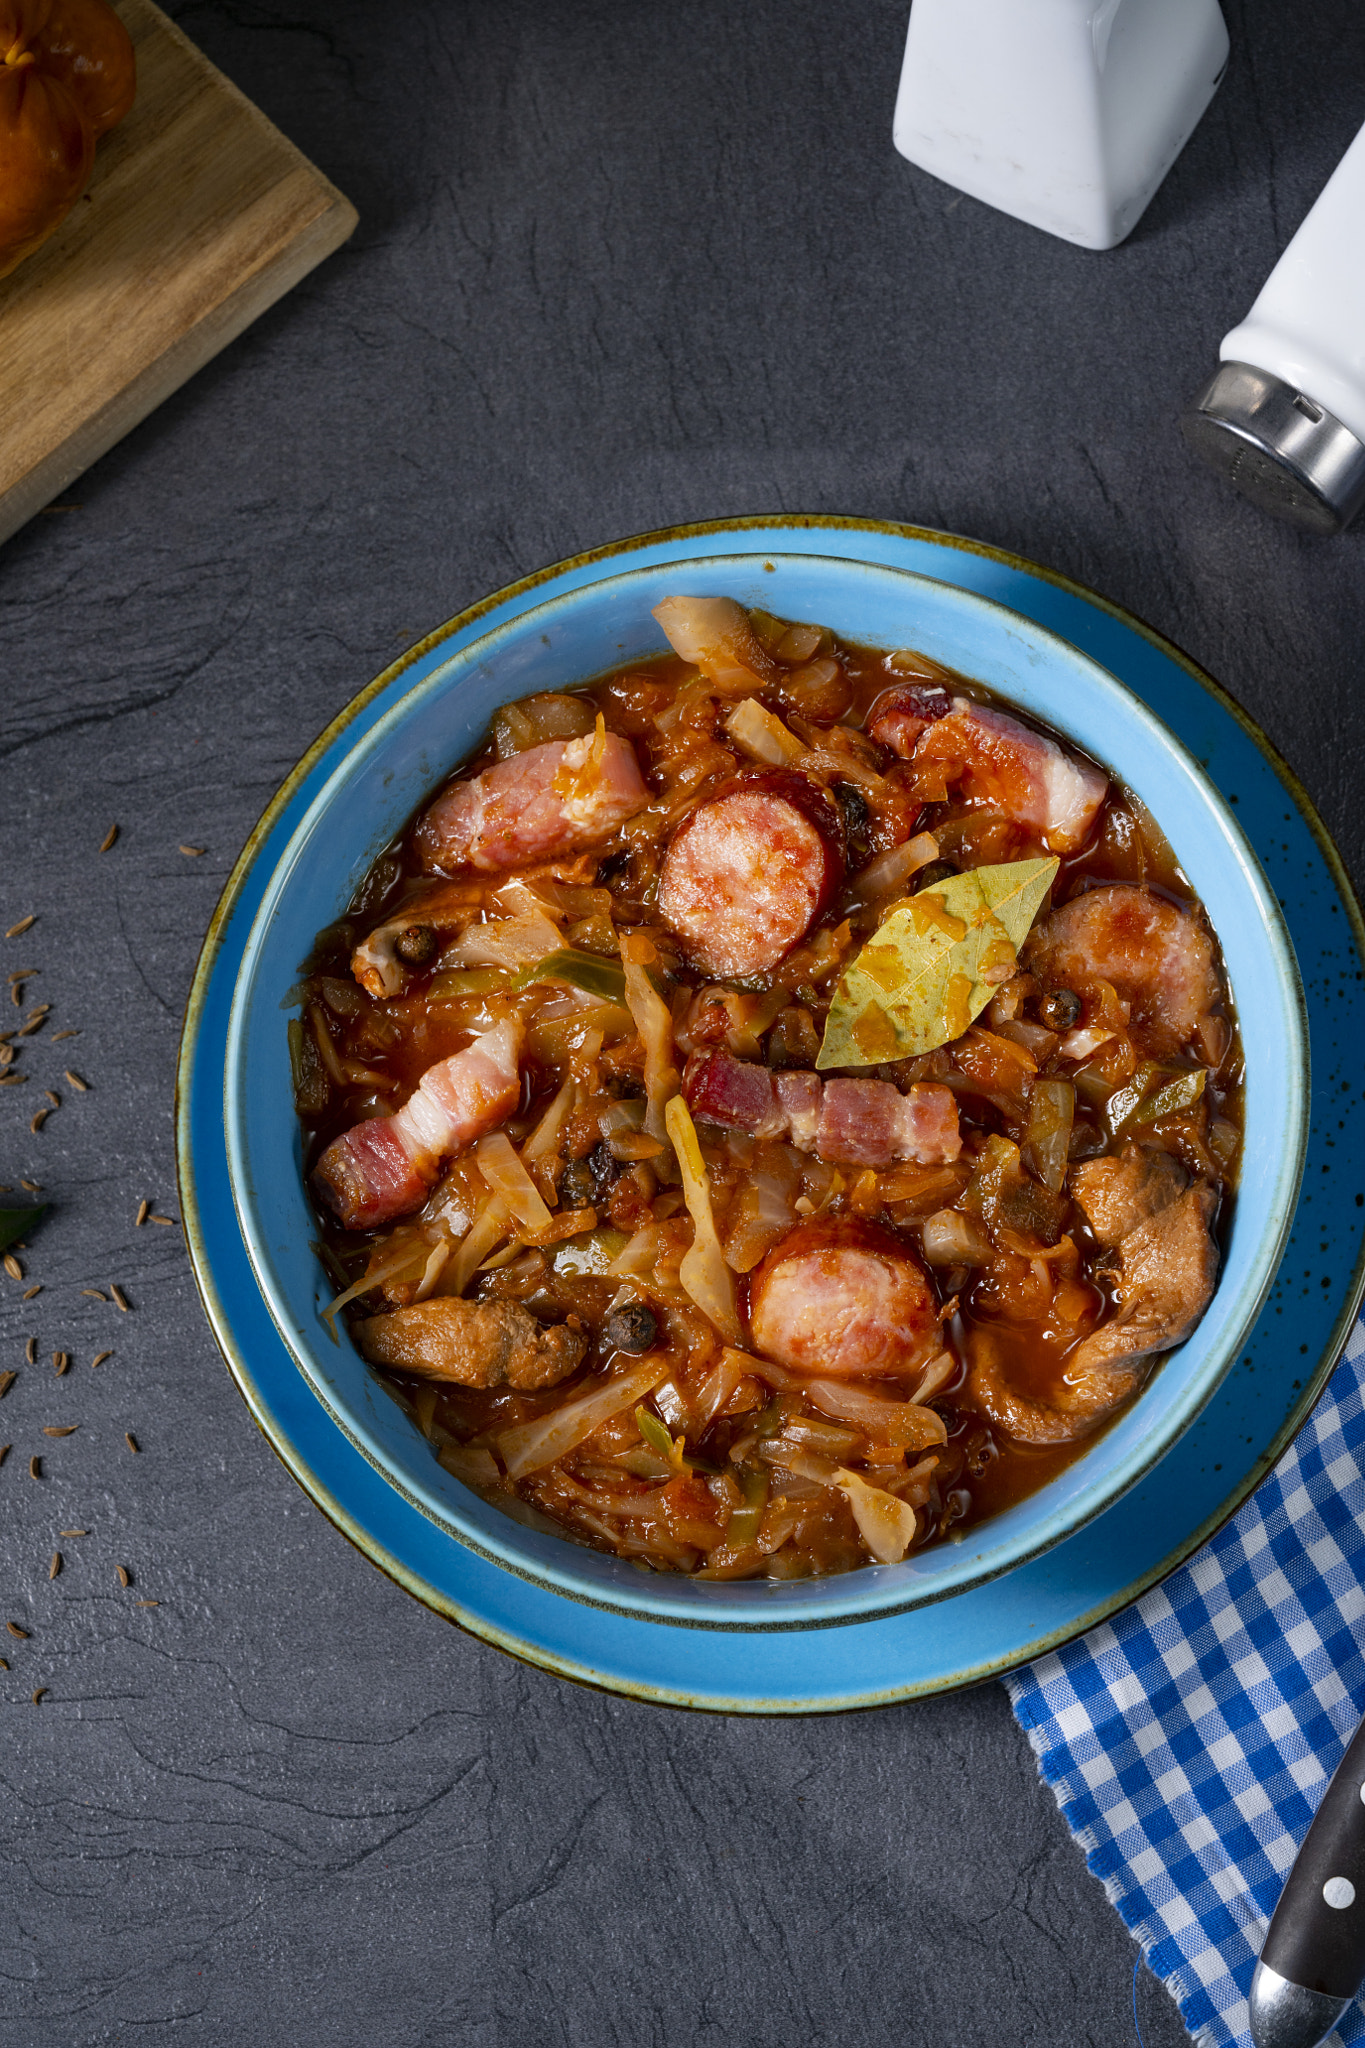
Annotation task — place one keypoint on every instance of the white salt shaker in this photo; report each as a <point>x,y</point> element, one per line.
<point>1284,418</point>
<point>1066,113</point>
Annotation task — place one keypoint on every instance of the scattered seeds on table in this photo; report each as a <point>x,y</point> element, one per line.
<point>22,926</point>
<point>120,1299</point>
<point>131,1440</point>
<point>40,1695</point>
<point>12,1267</point>
<point>4,1663</point>
<point>60,1428</point>
<point>35,1187</point>
<point>12,1080</point>
<point>110,836</point>
<point>82,1087</point>
<point>35,1468</point>
<point>60,1361</point>
<point>73,1532</point>
<point>144,1211</point>
<point>64,1034</point>
<point>39,1119</point>
<point>29,1292</point>
<point>4,1452</point>
<point>94,1293</point>
<point>53,1097</point>
<point>15,1630</point>
<point>35,1021</point>
<point>169,1221</point>
<point>194,851</point>
<point>24,974</point>
<point>149,1603</point>
<point>31,1351</point>
<point>55,1565</point>
<point>125,1577</point>
<point>7,1380</point>
<point>99,1358</point>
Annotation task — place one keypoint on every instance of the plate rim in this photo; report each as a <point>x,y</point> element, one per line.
<point>320,1492</point>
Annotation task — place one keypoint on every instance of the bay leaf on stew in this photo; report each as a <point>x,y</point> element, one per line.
<point>933,965</point>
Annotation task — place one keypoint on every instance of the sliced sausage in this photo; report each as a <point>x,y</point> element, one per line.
<point>840,1298</point>
<point>996,761</point>
<point>748,873</point>
<point>553,799</point>
<point>1159,957</point>
<point>472,1344</point>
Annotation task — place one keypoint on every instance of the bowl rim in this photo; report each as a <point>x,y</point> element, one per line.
<point>854,1596</point>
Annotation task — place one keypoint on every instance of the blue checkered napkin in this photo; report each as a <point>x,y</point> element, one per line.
<point>1189,1741</point>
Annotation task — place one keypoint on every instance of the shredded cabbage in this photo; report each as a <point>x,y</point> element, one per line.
<point>703,1271</point>
<point>655,1026</point>
<point>533,1445</point>
<point>886,1525</point>
<point>762,735</point>
<point>505,1174</point>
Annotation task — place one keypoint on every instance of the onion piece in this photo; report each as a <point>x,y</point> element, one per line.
<point>886,1525</point>
<point>1078,1045</point>
<point>763,735</point>
<point>952,1239</point>
<point>1052,1111</point>
<point>655,1026</point>
<point>533,1445</point>
<point>703,1271</point>
<point>886,876</point>
<point>471,1463</point>
<point>543,1142</point>
<point>936,1374</point>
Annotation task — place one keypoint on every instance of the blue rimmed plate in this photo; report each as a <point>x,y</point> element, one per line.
<point>974,1633</point>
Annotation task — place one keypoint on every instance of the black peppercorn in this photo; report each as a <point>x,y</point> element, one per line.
<point>632,1327</point>
<point>416,947</point>
<point>1059,1009</point>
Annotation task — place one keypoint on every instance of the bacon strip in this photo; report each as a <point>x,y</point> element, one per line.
<point>385,1167</point>
<point>551,800</point>
<point>848,1123</point>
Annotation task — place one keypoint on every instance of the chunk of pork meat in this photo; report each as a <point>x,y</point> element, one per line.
<point>1166,1270</point>
<point>847,1123</point>
<point>472,1344</point>
<point>840,1298</point>
<point>748,873</point>
<point>1118,1194</point>
<point>899,716</point>
<point>386,1166</point>
<point>551,800</point>
<point>1159,957</point>
<point>715,635</point>
<point>996,761</point>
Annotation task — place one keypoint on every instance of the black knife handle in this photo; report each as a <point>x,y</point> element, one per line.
<point>1317,1935</point>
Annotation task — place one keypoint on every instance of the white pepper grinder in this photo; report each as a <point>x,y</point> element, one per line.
<point>1066,113</point>
<point>1284,418</point>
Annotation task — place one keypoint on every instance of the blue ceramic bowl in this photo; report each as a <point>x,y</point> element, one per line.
<point>573,637</point>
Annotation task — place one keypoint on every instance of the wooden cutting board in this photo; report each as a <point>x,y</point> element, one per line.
<point>199,215</point>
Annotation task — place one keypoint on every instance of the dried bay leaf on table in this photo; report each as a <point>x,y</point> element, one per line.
<point>922,977</point>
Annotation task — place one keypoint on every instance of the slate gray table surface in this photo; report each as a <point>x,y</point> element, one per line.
<point>619,265</point>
